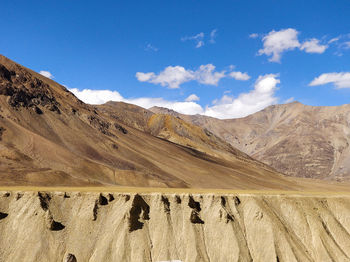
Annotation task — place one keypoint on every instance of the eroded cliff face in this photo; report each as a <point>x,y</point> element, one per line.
<point>72,226</point>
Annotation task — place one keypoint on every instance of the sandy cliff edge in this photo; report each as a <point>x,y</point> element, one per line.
<point>160,226</point>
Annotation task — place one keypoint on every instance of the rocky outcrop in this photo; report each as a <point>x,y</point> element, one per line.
<point>173,227</point>
<point>24,90</point>
<point>2,130</point>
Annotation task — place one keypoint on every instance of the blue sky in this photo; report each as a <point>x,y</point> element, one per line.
<point>236,57</point>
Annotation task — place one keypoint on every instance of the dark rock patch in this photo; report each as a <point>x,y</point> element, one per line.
<point>7,194</point>
<point>3,215</point>
<point>54,108</point>
<point>237,201</point>
<point>208,133</point>
<point>178,199</point>
<point>120,128</point>
<point>19,196</point>
<point>102,200</point>
<point>5,74</point>
<point>166,203</point>
<point>38,110</point>
<point>100,125</point>
<point>195,219</point>
<point>139,207</point>
<point>110,197</point>
<point>66,195</point>
<point>2,130</point>
<point>95,211</point>
<point>70,258</point>
<point>56,226</point>
<point>229,218</point>
<point>44,199</point>
<point>194,204</point>
<point>223,201</point>
<point>27,91</point>
<point>127,198</point>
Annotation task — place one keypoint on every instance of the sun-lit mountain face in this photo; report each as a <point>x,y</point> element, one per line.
<point>49,137</point>
<point>296,139</point>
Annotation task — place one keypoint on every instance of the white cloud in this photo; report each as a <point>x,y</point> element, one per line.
<point>342,46</point>
<point>150,47</point>
<point>171,76</point>
<point>183,107</point>
<point>228,106</point>
<point>339,40</point>
<point>276,42</point>
<point>254,35</point>
<point>206,75</point>
<point>195,37</point>
<point>260,97</point>
<point>289,100</point>
<point>346,45</point>
<point>46,74</point>
<point>198,38</point>
<point>144,77</point>
<point>192,98</point>
<point>335,39</point>
<point>339,80</point>
<point>174,76</point>
<point>213,36</point>
<point>96,97</point>
<point>200,44</point>
<point>239,76</point>
<point>313,46</point>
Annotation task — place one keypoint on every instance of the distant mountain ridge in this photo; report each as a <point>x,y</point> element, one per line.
<point>296,139</point>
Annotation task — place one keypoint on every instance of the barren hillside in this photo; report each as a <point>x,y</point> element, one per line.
<point>173,129</point>
<point>49,137</point>
<point>295,139</point>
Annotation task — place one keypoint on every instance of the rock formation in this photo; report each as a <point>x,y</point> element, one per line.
<point>174,227</point>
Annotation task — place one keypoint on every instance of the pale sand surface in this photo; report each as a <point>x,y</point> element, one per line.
<point>162,224</point>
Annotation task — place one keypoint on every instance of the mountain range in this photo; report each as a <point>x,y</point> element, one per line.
<point>296,139</point>
<point>50,137</point>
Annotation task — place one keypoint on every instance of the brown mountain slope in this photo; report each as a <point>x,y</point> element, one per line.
<point>173,129</point>
<point>296,139</point>
<point>49,137</point>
